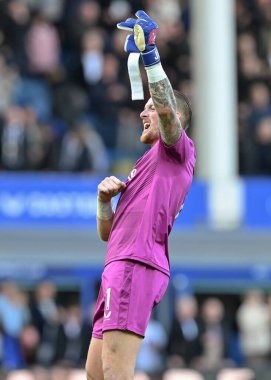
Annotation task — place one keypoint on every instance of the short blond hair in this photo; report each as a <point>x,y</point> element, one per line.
<point>184,107</point>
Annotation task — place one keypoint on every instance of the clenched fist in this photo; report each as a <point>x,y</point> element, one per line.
<point>109,188</point>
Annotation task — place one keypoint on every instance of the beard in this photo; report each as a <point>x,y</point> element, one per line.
<point>149,136</point>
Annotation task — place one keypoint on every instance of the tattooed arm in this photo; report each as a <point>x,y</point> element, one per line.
<point>165,104</point>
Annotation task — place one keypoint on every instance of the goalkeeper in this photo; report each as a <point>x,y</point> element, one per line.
<point>136,272</point>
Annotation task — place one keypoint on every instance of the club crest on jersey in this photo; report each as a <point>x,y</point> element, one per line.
<point>132,175</point>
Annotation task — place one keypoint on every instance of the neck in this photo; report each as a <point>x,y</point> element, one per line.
<point>152,144</point>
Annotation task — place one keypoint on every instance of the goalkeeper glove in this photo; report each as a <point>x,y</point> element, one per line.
<point>143,38</point>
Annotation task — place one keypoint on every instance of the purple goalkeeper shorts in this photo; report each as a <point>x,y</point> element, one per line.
<point>128,293</point>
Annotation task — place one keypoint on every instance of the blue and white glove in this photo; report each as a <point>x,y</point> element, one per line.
<point>143,38</point>
<point>142,43</point>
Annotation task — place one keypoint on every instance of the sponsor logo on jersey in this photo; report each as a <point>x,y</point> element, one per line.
<point>132,175</point>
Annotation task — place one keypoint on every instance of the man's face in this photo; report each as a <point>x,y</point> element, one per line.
<point>149,118</point>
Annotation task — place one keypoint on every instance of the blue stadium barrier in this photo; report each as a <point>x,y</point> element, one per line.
<point>70,200</point>
<point>257,203</point>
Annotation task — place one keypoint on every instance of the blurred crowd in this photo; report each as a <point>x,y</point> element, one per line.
<point>36,329</point>
<point>65,101</point>
<point>254,83</point>
<point>65,93</point>
<point>41,333</point>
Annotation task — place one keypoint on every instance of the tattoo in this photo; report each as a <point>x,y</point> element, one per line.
<point>165,104</point>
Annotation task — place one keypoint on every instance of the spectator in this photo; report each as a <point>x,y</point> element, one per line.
<point>151,357</point>
<point>185,347</point>
<point>87,16</point>
<point>117,10</point>
<point>45,317</point>
<point>14,315</point>
<point>29,342</point>
<point>263,146</point>
<point>13,145</point>
<point>20,375</point>
<point>41,373</point>
<point>52,132</point>
<point>128,145</point>
<point>82,150</point>
<point>59,372</point>
<point>108,94</point>
<point>236,374</point>
<point>23,144</point>
<point>42,46</point>
<point>129,131</point>
<point>8,77</point>
<point>259,103</point>
<point>51,9</point>
<point>182,374</point>
<point>254,141</point>
<point>34,93</point>
<point>34,141</point>
<point>70,103</point>
<point>77,374</point>
<point>141,376</point>
<point>215,336</point>
<point>73,339</point>
<point>74,153</point>
<point>15,26</point>
<point>253,318</point>
<point>92,55</point>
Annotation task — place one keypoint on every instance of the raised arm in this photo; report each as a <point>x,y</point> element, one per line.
<point>165,104</point>
<point>143,40</point>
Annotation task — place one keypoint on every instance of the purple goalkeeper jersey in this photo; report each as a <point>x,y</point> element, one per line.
<point>154,195</point>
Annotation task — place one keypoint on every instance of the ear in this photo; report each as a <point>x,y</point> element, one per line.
<point>178,115</point>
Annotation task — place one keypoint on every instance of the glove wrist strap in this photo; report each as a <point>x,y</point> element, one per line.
<point>154,70</point>
<point>155,73</point>
<point>135,77</point>
<point>151,57</point>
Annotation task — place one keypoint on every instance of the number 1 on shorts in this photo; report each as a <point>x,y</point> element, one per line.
<point>107,303</point>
